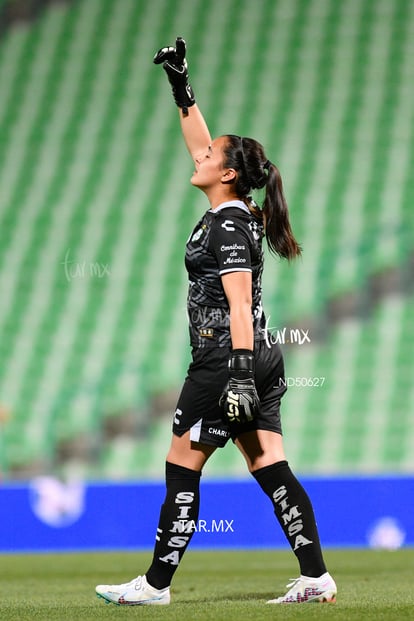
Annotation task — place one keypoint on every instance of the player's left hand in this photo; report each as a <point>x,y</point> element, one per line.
<point>174,56</point>
<point>175,66</point>
<point>239,400</point>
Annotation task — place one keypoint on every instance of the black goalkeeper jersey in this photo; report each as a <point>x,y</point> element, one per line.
<point>228,239</point>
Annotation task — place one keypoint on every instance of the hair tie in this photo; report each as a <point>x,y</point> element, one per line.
<point>267,165</point>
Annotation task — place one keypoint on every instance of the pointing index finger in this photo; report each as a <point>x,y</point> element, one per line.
<point>180,49</point>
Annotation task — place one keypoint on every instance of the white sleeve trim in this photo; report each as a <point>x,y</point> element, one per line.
<point>235,269</point>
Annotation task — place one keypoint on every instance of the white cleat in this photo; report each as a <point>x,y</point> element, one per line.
<point>305,590</point>
<point>135,593</point>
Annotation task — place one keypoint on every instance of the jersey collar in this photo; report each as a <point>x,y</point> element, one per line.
<point>235,203</point>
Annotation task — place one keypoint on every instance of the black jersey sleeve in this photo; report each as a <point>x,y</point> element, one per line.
<point>230,244</point>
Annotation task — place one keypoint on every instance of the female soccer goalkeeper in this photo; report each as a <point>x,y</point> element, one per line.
<point>235,380</point>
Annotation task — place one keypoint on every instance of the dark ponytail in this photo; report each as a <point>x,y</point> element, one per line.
<point>254,171</point>
<point>279,235</point>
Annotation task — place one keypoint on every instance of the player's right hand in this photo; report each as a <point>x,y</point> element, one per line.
<point>239,400</point>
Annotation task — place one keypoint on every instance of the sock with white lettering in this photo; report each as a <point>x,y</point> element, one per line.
<point>177,523</point>
<point>294,512</point>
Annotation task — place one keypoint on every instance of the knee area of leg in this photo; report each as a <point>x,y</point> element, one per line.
<point>176,472</point>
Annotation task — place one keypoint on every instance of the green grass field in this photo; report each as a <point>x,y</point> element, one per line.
<point>224,586</point>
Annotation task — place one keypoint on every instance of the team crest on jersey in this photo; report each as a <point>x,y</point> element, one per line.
<point>198,233</point>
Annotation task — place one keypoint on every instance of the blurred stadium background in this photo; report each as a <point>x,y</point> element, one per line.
<point>95,208</point>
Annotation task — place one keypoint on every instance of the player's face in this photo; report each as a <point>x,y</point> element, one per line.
<point>209,166</point>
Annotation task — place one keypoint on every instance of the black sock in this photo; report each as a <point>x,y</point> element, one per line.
<point>178,519</point>
<point>294,512</point>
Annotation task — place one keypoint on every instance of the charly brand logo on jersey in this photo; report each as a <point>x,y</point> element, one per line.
<point>228,225</point>
<point>177,415</point>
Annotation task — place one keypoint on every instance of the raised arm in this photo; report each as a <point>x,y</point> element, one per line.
<point>195,131</point>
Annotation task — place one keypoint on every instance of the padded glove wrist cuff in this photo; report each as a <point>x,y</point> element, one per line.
<point>241,360</point>
<point>183,96</point>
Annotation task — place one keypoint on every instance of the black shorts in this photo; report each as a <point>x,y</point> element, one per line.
<point>198,409</point>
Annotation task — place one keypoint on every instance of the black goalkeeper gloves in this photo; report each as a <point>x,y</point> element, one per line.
<point>240,400</point>
<point>175,66</point>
